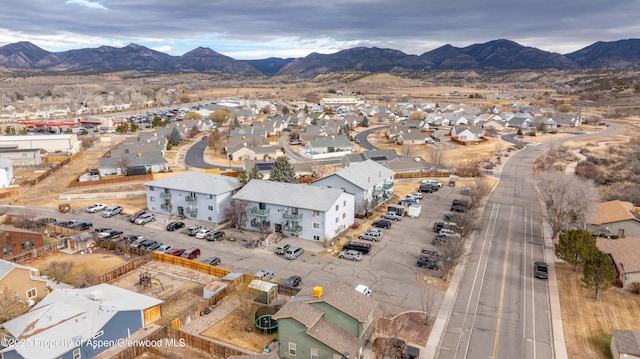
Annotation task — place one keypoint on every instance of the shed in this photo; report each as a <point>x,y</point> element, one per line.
<point>268,292</point>
<point>214,288</point>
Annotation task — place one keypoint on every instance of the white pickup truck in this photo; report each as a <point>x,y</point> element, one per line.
<point>264,274</point>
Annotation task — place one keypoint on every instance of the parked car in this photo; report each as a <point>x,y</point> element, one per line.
<point>96,207</point>
<point>439,240</point>
<point>214,235</point>
<point>408,201</point>
<point>448,225</point>
<point>457,208</point>
<point>392,215</point>
<point>150,244</point>
<point>281,248</point>
<point>145,218</point>
<point>111,234</point>
<point>371,234</point>
<point>202,232</point>
<point>459,202</point>
<point>191,253</point>
<point>214,261</point>
<point>432,182</point>
<point>425,188</point>
<point>416,195</point>
<point>135,216</point>
<point>81,226</point>
<point>428,262</point>
<point>174,226</point>
<point>130,238</point>
<point>176,251</point>
<point>264,274</point>
<point>102,229</point>
<point>363,247</point>
<point>293,281</point>
<point>295,141</point>
<point>382,223</point>
<point>449,232</point>
<point>293,252</point>
<point>193,230</point>
<point>351,254</point>
<point>111,211</point>
<point>451,217</point>
<point>541,270</point>
<point>136,243</point>
<point>164,248</point>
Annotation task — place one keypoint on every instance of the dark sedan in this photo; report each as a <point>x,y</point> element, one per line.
<point>382,223</point>
<point>293,281</point>
<point>174,226</point>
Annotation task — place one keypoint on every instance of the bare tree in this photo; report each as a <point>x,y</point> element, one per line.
<point>478,190</point>
<point>11,306</point>
<point>86,278</point>
<point>123,163</point>
<point>213,140</point>
<point>436,158</point>
<point>59,270</point>
<point>236,213</point>
<point>566,199</point>
<point>408,150</point>
<point>247,296</point>
<point>452,250</point>
<point>427,302</point>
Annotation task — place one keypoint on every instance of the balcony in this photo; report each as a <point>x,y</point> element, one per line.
<point>260,224</point>
<point>292,216</point>
<point>193,212</point>
<point>377,192</point>
<point>165,195</point>
<point>260,212</point>
<point>387,185</point>
<point>191,199</point>
<point>166,207</point>
<point>292,231</point>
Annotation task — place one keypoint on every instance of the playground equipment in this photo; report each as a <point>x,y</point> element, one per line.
<point>263,321</point>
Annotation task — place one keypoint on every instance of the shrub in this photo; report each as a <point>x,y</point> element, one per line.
<point>634,287</point>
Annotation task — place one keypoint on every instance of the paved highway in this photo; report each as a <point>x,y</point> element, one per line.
<point>501,309</point>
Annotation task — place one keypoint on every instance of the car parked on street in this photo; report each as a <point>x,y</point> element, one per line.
<point>457,208</point>
<point>416,195</point>
<point>96,207</point>
<point>362,247</point>
<point>351,254</point>
<point>425,188</point>
<point>176,251</point>
<point>111,211</point>
<point>150,244</point>
<point>264,274</point>
<point>293,281</point>
<point>174,226</point>
<point>382,223</point>
<point>433,182</point>
<point>392,215</point>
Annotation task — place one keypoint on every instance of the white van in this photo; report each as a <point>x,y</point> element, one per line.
<point>363,289</point>
<point>293,252</point>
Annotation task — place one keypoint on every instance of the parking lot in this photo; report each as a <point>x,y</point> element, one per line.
<point>390,269</point>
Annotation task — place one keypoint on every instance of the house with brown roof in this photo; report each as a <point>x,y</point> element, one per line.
<point>16,240</point>
<point>25,282</point>
<point>624,253</point>
<point>615,218</point>
<point>325,322</point>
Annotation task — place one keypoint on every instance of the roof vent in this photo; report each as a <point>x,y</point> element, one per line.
<point>95,295</point>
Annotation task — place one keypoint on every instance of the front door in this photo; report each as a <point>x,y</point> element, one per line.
<point>180,211</point>
<point>277,227</point>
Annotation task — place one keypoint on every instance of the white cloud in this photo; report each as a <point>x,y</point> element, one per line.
<point>87,4</point>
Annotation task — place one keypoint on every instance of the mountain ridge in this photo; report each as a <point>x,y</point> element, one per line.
<point>500,54</point>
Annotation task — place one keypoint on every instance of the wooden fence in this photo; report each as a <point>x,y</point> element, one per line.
<point>191,264</point>
<point>134,351</point>
<point>37,252</point>
<point>204,344</point>
<point>421,175</point>
<point>124,269</point>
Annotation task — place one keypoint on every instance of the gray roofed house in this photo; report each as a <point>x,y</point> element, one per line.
<point>409,165</point>
<point>297,210</point>
<point>199,195</point>
<point>328,323</point>
<point>625,344</point>
<point>380,156</point>
<point>153,162</point>
<point>329,144</point>
<point>370,182</point>
<point>76,318</point>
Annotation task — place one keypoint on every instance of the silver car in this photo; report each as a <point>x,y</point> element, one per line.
<point>351,254</point>
<point>392,215</point>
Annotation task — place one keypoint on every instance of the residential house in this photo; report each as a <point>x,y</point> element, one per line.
<point>198,195</point>
<point>25,282</point>
<point>624,253</point>
<point>378,155</point>
<point>465,133</point>
<point>297,210</point>
<point>546,123</point>
<point>243,152</point>
<point>625,344</point>
<point>411,165</point>
<point>80,242</point>
<point>6,172</point>
<point>497,125</point>
<point>332,145</point>
<point>614,217</point>
<point>153,162</point>
<point>23,157</point>
<point>332,322</point>
<point>568,120</point>
<point>412,137</point>
<point>76,321</point>
<point>370,182</point>
<point>520,122</point>
<point>16,240</point>
<point>67,143</point>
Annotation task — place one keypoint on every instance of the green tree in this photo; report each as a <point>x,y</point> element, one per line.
<point>157,122</point>
<point>575,246</point>
<point>122,128</point>
<point>191,115</point>
<point>365,122</point>
<point>220,117</point>
<point>285,110</point>
<point>519,132</point>
<point>598,273</point>
<point>175,138</point>
<point>245,177</point>
<point>282,171</point>
<point>133,127</point>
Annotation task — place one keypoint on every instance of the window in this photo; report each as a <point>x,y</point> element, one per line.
<point>337,356</point>
<point>314,353</point>
<point>152,198</point>
<point>32,293</point>
<point>210,196</point>
<point>337,219</point>
<point>316,238</point>
<point>32,243</point>
<point>344,215</point>
<point>344,204</point>
<point>192,194</point>
<point>210,208</point>
<point>337,207</point>
<point>292,349</point>
<point>98,334</point>
<point>315,212</point>
<point>151,188</point>
<point>77,354</point>
<point>316,225</point>
<point>7,250</point>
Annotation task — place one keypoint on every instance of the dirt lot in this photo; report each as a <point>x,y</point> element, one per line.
<point>98,262</point>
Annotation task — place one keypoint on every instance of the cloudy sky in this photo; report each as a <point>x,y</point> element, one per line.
<point>256,29</point>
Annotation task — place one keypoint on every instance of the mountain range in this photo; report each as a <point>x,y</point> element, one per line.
<point>493,55</point>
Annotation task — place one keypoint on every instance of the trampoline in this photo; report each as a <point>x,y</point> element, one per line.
<point>263,321</point>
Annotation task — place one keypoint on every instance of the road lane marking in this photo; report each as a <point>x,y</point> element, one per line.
<point>504,282</point>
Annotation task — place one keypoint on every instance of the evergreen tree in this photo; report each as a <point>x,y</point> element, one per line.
<point>575,246</point>
<point>365,122</point>
<point>157,122</point>
<point>282,171</point>
<point>175,138</point>
<point>599,273</point>
<point>245,177</point>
